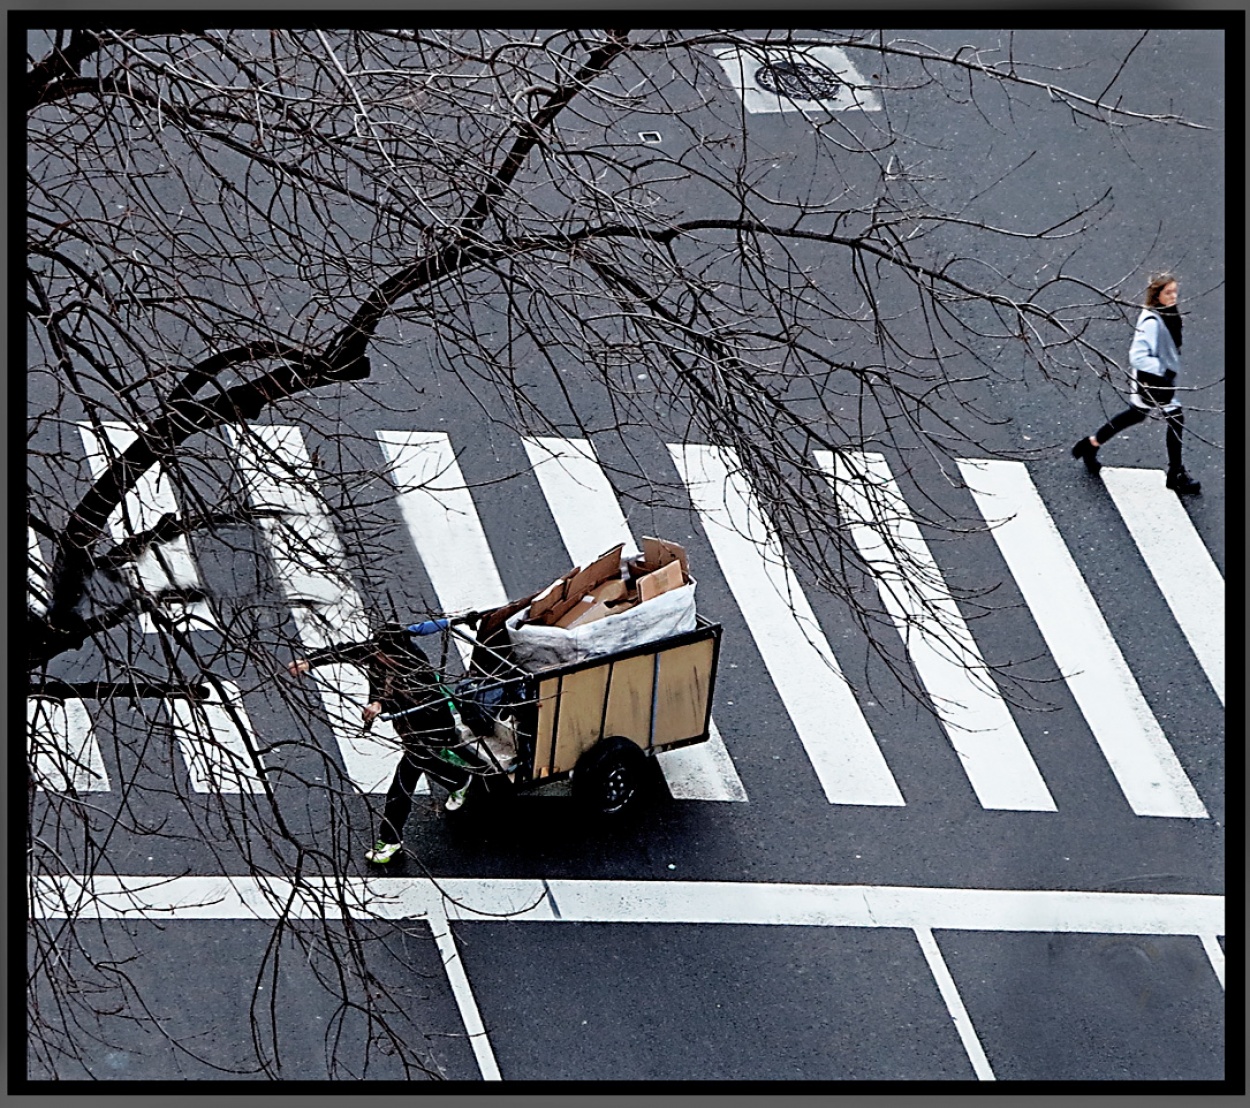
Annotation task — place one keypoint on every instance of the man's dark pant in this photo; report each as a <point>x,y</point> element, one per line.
<point>419,757</point>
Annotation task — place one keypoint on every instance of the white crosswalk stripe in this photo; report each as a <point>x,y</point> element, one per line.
<point>210,734</point>
<point>590,522</point>
<point>62,745</point>
<point>1138,752</point>
<point>311,566</point>
<point>580,496</point>
<point>442,520</point>
<point>1181,565</point>
<point>991,749</point>
<point>36,575</point>
<point>162,566</point>
<point>830,724</point>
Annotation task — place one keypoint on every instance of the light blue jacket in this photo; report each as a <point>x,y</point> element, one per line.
<point>1151,351</point>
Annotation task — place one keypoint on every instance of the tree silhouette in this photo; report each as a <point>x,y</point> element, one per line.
<point>234,230</point>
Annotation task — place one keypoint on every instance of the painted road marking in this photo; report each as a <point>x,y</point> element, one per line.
<point>954,1004</point>
<point>773,80</point>
<point>590,521</point>
<point>825,713</point>
<point>1182,566</point>
<point>442,519</point>
<point>304,548</point>
<point>440,900</point>
<point>458,979</point>
<point>311,566</point>
<point>61,740</point>
<point>161,566</point>
<point>529,900</point>
<point>991,749</point>
<point>581,499</point>
<point>1211,944</point>
<point>210,734</point>
<point>36,575</point>
<point>1144,764</point>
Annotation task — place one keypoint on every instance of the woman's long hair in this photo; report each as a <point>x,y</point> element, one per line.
<point>1157,284</point>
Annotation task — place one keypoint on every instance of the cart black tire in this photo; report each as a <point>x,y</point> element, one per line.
<point>611,777</point>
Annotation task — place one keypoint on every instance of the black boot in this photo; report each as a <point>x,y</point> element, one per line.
<point>1087,452</point>
<point>1181,483</point>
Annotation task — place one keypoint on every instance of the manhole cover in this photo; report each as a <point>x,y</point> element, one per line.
<point>798,80</point>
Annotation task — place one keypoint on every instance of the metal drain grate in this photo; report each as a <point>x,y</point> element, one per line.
<point>813,80</point>
<point>799,80</point>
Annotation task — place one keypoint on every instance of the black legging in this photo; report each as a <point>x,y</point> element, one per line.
<point>1127,418</point>
<point>419,757</point>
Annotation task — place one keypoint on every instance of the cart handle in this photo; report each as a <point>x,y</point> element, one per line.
<point>428,627</point>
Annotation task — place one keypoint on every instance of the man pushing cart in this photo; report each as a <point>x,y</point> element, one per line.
<point>587,680</point>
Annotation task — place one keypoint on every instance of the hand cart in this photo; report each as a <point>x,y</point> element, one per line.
<point>597,723</point>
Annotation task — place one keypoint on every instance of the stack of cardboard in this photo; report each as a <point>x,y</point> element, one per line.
<point>609,586</point>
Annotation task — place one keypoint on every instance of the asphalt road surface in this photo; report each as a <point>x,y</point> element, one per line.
<point>908,905</point>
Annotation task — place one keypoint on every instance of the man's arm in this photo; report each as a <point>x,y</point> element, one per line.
<point>355,653</point>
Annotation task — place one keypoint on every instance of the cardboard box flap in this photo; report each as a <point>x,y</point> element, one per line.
<point>566,593</point>
<point>659,581</point>
<point>657,553</point>
<point>613,596</point>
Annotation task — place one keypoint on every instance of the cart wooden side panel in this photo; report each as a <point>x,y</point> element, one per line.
<point>544,733</point>
<point>580,720</point>
<point>629,698</point>
<point>656,698</point>
<point>684,689</point>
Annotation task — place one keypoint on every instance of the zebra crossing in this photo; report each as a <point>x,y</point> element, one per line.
<point>1144,764</point>
<point>440,514</point>
<point>845,756</point>
<point>162,568</point>
<point>976,719</point>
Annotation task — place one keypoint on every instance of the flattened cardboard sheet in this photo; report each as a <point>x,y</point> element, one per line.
<point>660,581</point>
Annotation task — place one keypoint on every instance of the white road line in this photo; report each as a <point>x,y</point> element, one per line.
<point>1182,566</point>
<point>582,502</point>
<point>1211,945</point>
<point>474,1028</point>
<point>702,772</point>
<point>36,575</point>
<point>826,715</point>
<point>160,567</point>
<point>62,741</point>
<point>214,751</point>
<point>311,566</point>
<point>954,1004</point>
<point>305,550</point>
<point>590,521</point>
<point>526,900</point>
<point>977,721</point>
<point>1144,764</point>
<point>442,519</point>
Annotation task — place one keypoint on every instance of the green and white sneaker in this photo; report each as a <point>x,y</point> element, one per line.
<point>455,801</point>
<point>382,852</point>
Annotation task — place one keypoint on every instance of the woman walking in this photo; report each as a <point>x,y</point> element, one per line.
<point>1154,364</point>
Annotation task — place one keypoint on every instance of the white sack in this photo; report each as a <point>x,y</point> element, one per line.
<point>536,647</point>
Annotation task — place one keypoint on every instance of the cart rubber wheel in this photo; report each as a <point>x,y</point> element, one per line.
<point>610,777</point>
